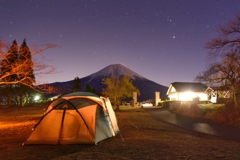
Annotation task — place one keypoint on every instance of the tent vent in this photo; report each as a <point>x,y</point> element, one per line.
<point>65,106</point>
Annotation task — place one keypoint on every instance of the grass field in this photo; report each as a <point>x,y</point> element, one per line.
<point>141,137</point>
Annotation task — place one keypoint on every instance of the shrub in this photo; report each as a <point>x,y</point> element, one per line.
<point>204,102</point>
<point>167,103</point>
<point>188,108</point>
<point>173,105</point>
<point>227,114</point>
<point>161,103</point>
<point>219,113</point>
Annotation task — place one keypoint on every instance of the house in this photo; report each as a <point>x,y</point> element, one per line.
<point>187,91</point>
<point>217,93</point>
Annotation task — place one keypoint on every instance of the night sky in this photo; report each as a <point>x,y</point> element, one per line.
<point>162,40</point>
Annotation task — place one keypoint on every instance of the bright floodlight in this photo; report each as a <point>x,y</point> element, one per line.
<point>36,98</point>
<point>187,96</point>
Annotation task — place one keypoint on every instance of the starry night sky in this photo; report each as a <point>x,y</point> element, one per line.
<point>161,40</point>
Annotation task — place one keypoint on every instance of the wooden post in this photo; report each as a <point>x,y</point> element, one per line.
<point>134,99</point>
<point>157,98</point>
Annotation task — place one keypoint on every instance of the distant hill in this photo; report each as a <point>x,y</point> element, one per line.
<point>146,87</point>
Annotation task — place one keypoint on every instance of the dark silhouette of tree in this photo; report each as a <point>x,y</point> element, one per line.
<point>227,40</point>
<point>24,66</point>
<point>26,76</point>
<point>6,66</point>
<point>76,84</point>
<point>224,59</point>
<point>9,61</point>
<point>25,57</point>
<point>22,92</point>
<point>225,73</point>
<point>18,70</point>
<point>118,88</point>
<point>88,88</point>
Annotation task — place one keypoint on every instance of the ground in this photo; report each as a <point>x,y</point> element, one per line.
<point>141,137</point>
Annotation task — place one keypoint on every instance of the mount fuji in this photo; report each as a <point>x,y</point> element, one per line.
<point>146,87</point>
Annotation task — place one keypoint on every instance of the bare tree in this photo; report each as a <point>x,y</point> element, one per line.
<point>228,39</point>
<point>224,58</point>
<point>24,68</point>
<point>225,73</point>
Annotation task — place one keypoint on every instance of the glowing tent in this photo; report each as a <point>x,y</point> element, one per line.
<point>76,118</point>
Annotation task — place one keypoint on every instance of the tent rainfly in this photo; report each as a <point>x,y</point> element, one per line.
<point>75,118</point>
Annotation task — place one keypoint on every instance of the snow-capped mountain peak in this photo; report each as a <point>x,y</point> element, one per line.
<point>116,70</point>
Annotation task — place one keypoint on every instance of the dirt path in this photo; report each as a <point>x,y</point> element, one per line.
<point>141,137</point>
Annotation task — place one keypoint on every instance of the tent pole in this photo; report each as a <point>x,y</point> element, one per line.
<point>60,133</point>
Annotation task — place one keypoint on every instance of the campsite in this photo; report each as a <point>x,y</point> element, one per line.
<point>141,137</point>
<point>76,118</point>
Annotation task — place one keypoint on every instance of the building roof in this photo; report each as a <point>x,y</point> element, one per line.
<point>220,88</point>
<point>189,86</point>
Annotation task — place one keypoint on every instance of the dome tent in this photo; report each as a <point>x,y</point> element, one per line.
<point>76,118</point>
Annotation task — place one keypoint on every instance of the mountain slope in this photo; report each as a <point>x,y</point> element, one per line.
<point>146,87</point>
<point>117,70</point>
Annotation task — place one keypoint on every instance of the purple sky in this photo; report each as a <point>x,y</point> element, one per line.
<point>161,40</point>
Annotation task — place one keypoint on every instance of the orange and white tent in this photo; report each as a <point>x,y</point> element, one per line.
<point>76,118</point>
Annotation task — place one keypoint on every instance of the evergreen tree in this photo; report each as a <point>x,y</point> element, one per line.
<point>16,68</point>
<point>27,69</point>
<point>8,62</point>
<point>89,88</point>
<point>6,66</point>
<point>23,91</point>
<point>76,85</point>
<point>23,75</point>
